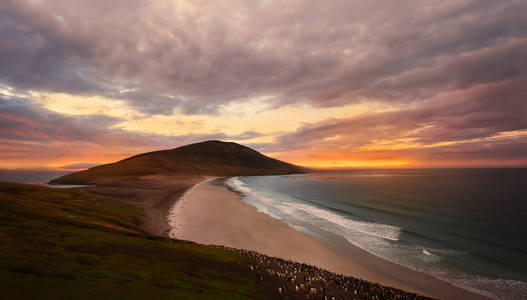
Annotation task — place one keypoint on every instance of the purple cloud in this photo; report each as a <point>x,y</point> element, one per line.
<point>326,54</point>
<point>456,70</point>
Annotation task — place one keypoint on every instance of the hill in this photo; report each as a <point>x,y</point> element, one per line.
<point>214,158</point>
<point>72,244</point>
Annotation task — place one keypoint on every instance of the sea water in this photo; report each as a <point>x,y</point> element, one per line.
<point>464,226</point>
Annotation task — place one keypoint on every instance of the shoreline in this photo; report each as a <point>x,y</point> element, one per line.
<point>213,214</point>
<point>154,195</point>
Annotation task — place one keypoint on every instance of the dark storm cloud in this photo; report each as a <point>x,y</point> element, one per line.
<point>200,55</point>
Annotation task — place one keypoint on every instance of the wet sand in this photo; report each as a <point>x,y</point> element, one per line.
<point>209,213</point>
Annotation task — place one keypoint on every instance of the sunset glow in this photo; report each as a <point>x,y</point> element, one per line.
<point>320,85</point>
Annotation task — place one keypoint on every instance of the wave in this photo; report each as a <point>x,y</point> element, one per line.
<point>374,229</point>
<point>236,183</point>
<point>430,254</point>
<point>262,204</point>
<point>253,198</point>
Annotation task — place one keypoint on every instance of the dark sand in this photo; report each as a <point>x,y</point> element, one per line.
<point>154,195</point>
<point>211,214</point>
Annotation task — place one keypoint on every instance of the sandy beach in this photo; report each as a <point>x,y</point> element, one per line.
<point>209,213</point>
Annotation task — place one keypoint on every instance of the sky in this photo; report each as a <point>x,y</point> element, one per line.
<point>328,84</point>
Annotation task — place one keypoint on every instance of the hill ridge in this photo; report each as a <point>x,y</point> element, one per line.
<point>213,158</point>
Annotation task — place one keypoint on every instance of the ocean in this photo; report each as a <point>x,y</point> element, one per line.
<point>30,176</point>
<point>464,226</point>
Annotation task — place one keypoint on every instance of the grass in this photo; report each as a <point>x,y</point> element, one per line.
<point>213,158</point>
<point>67,243</point>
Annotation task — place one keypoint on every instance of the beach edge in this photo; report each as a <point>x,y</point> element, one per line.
<point>190,211</point>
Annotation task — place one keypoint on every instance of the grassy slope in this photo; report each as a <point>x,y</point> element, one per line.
<point>66,243</point>
<point>207,158</point>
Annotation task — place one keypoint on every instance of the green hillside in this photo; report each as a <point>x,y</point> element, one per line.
<point>70,244</point>
<point>213,158</point>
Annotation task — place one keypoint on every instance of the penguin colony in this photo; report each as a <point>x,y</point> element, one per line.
<point>286,279</point>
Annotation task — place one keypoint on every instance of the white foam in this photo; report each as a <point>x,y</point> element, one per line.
<point>375,238</point>
<point>67,186</point>
<point>237,184</point>
<point>260,202</point>
<point>374,229</point>
<point>501,289</point>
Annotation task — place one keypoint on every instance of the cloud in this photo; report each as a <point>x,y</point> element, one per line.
<point>32,134</point>
<point>452,73</point>
<point>79,166</point>
<point>198,56</point>
<point>488,121</point>
<point>38,51</point>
